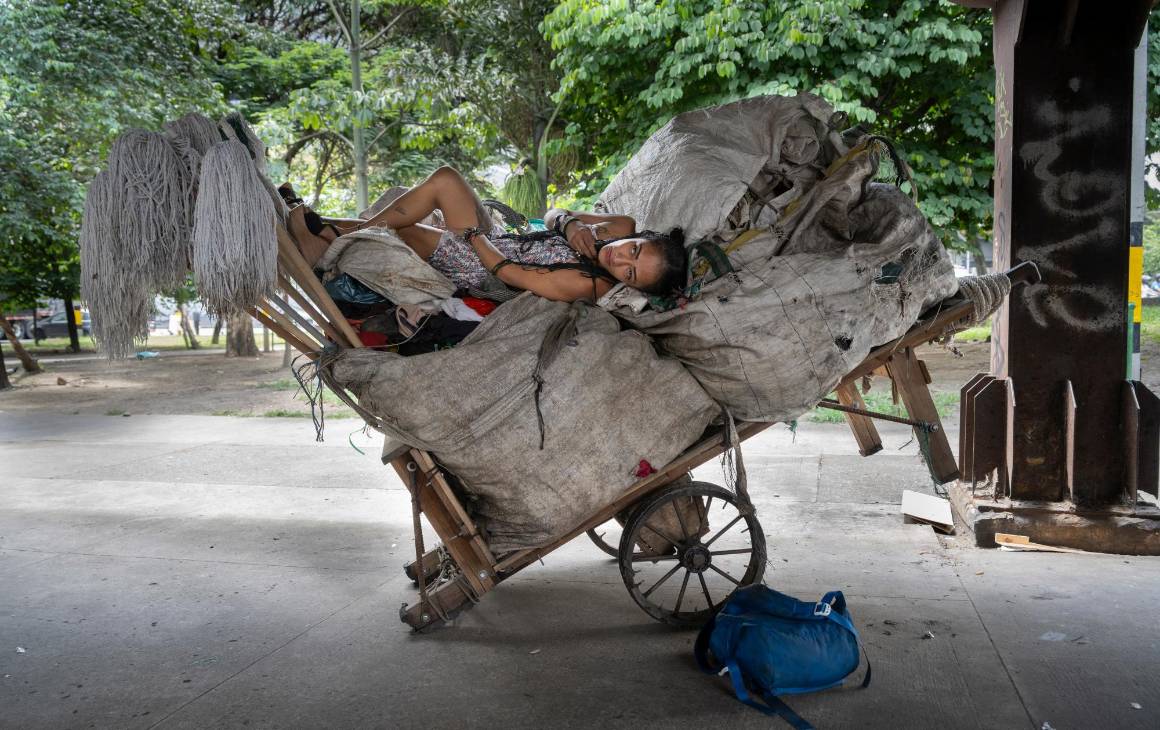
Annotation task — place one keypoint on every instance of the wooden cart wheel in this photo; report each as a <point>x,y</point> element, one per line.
<point>686,549</point>
<point>607,537</point>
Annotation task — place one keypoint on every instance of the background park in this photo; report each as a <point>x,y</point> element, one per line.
<point>539,103</point>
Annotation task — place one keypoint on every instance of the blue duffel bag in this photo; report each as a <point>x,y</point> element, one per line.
<point>772,644</point>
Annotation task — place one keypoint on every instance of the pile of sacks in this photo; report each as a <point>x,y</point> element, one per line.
<point>545,411</point>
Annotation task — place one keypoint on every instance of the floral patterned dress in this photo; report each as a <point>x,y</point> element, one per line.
<point>457,260</point>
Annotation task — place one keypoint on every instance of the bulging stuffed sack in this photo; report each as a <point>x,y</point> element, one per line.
<point>606,399</point>
<point>775,336</point>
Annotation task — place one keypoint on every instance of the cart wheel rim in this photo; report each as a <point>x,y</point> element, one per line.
<point>597,535</point>
<point>715,546</point>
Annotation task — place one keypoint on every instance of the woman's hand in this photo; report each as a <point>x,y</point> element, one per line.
<point>582,239</point>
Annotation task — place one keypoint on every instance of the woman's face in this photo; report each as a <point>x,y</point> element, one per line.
<point>635,261</point>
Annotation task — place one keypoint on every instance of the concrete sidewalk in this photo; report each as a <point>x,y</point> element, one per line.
<point>187,571</point>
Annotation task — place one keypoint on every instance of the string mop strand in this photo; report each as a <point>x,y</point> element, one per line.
<point>111,284</point>
<point>153,225</point>
<point>234,126</point>
<point>235,247</point>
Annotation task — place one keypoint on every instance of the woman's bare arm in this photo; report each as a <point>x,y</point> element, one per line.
<point>562,285</point>
<point>583,232</point>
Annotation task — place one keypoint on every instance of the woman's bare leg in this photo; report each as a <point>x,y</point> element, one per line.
<point>422,239</point>
<point>444,189</point>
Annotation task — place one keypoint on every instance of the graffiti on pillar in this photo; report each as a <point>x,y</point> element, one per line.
<point>1002,108</point>
<point>1086,200</point>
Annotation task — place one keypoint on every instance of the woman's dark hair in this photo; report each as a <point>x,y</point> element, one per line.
<point>673,277</point>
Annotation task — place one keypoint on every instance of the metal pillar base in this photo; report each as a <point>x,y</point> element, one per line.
<point>1119,530</point>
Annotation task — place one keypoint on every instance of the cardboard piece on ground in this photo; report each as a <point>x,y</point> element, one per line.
<point>927,509</point>
<point>1021,543</point>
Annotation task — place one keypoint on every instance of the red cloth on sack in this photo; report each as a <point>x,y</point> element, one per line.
<point>483,307</point>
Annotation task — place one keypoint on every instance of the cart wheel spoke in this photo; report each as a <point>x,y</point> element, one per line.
<point>681,595</point>
<point>639,577</point>
<point>681,521</point>
<point>662,580</point>
<point>724,529</point>
<point>724,575</point>
<point>705,589</point>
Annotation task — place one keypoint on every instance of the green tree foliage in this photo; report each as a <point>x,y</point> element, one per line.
<point>76,74</point>
<point>917,72</point>
<point>291,70</point>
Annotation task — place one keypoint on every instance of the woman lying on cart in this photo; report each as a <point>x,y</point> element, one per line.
<point>580,256</point>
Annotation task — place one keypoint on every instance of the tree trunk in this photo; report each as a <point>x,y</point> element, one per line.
<point>285,354</point>
<point>4,383</point>
<point>240,336</point>
<point>187,329</point>
<point>362,199</point>
<point>217,331</point>
<point>979,262</point>
<point>74,340</point>
<point>27,361</point>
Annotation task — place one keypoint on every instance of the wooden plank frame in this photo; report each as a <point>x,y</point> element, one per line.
<point>863,428</point>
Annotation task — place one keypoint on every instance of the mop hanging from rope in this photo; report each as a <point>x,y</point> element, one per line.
<point>234,126</point>
<point>192,136</point>
<point>153,187</point>
<point>114,288</point>
<point>235,248</point>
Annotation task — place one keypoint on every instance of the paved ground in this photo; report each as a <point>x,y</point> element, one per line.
<point>196,571</point>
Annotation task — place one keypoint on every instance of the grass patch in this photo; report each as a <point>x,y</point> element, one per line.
<point>282,384</point>
<point>982,333</point>
<point>114,412</point>
<point>879,401</point>
<point>161,343</point>
<point>1150,323</point>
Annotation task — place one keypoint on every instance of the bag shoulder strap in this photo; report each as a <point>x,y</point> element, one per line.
<point>773,705</point>
<point>701,648</point>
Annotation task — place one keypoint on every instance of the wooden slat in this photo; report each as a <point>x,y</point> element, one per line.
<point>863,428</point>
<point>1069,439</point>
<point>988,428</point>
<point>966,426</point>
<point>1149,469</point>
<point>313,339</point>
<point>1007,470</point>
<point>923,331</point>
<point>302,274</point>
<point>275,301</point>
<point>907,376</point>
<point>290,336</point>
<point>447,528</point>
<point>308,306</point>
<point>447,495</point>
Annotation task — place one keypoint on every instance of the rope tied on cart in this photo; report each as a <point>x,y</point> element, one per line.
<point>559,334</point>
<point>985,292</point>
<point>733,466</point>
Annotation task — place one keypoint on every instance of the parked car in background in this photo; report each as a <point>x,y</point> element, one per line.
<point>57,326</point>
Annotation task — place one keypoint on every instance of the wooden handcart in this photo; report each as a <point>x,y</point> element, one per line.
<point>685,545</point>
